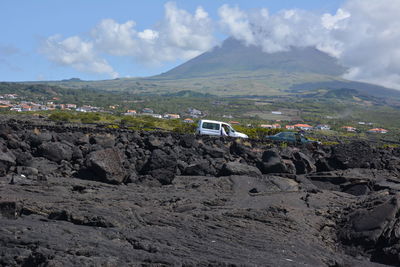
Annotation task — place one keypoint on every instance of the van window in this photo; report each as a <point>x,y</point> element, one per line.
<point>210,126</point>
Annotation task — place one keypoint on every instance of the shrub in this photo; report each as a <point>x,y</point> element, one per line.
<point>257,133</point>
<point>61,116</point>
<point>185,128</point>
<point>89,117</point>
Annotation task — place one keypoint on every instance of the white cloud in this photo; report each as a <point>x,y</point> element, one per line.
<point>76,53</point>
<point>237,24</point>
<point>278,32</point>
<point>370,40</point>
<point>180,35</point>
<point>363,34</point>
<point>148,35</point>
<point>333,21</point>
<point>114,38</point>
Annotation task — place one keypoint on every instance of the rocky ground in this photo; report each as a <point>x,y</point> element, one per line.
<point>100,197</point>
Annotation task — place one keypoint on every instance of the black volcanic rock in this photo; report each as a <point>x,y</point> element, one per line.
<point>161,166</point>
<point>106,165</point>
<point>56,151</point>
<point>116,197</point>
<point>7,160</point>
<point>236,168</point>
<point>272,163</point>
<point>374,226</point>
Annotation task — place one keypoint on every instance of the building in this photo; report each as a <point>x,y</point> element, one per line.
<point>10,96</point>
<point>289,127</point>
<point>276,112</point>
<point>195,113</point>
<point>234,122</point>
<point>323,127</point>
<point>158,116</point>
<point>172,116</point>
<point>266,126</point>
<point>130,112</point>
<point>16,108</point>
<point>349,128</point>
<point>188,120</point>
<point>377,130</point>
<point>26,108</point>
<point>70,106</point>
<point>270,126</point>
<point>304,127</point>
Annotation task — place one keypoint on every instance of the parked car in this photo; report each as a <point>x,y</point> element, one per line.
<point>291,137</point>
<point>218,128</point>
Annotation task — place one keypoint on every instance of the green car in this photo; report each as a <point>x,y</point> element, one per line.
<point>291,137</point>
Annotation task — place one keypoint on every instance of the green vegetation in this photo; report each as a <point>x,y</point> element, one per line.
<point>257,132</point>
<point>76,117</point>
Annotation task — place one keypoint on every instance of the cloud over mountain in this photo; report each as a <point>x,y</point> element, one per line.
<point>363,35</point>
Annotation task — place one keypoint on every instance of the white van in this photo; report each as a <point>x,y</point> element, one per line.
<point>219,128</point>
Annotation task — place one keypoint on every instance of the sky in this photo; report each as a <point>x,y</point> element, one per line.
<point>104,39</point>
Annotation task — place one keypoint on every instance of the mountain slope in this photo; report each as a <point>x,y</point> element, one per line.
<point>233,56</point>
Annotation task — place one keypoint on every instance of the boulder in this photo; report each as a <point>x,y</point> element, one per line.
<point>7,159</point>
<point>272,163</point>
<point>104,141</point>
<point>161,166</point>
<point>214,152</point>
<point>36,140</point>
<point>303,163</point>
<point>353,155</point>
<point>55,151</point>
<point>43,165</point>
<point>283,184</point>
<point>23,158</point>
<point>199,168</point>
<point>374,226</point>
<point>187,140</point>
<point>106,165</point>
<point>154,142</point>
<point>236,168</point>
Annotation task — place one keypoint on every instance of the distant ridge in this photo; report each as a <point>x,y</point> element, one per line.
<point>233,56</point>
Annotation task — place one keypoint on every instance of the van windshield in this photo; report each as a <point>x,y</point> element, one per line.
<point>210,126</point>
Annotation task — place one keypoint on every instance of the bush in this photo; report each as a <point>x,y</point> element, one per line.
<point>138,123</point>
<point>185,128</point>
<point>89,117</point>
<point>61,116</point>
<point>257,133</point>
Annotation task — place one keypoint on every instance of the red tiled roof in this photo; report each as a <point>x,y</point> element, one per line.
<point>302,125</point>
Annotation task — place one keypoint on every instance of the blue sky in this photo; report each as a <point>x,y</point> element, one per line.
<point>99,39</point>
<point>26,24</point>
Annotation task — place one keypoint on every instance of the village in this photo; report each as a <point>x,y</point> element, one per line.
<point>10,102</point>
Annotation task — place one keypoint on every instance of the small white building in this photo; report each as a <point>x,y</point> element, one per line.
<point>172,116</point>
<point>323,127</point>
